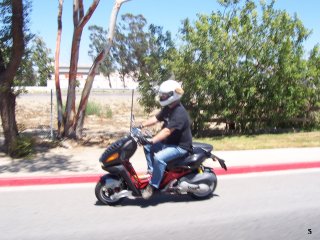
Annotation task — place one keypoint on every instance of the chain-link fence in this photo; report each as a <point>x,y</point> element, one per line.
<point>108,112</point>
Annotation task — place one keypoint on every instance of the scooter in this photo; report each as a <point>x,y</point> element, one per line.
<point>186,175</point>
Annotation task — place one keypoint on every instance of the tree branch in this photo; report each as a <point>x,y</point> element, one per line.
<point>87,16</point>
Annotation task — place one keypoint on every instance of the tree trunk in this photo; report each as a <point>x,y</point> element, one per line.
<point>101,56</point>
<point>79,21</point>
<point>71,98</point>
<point>8,117</point>
<point>85,96</point>
<point>56,71</point>
<point>109,79</point>
<point>7,74</point>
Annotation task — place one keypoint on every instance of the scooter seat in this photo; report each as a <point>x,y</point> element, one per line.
<point>196,146</point>
<point>192,160</point>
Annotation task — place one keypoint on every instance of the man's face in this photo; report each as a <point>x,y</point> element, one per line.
<point>165,96</point>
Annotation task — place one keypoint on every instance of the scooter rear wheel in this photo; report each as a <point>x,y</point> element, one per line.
<point>212,186</point>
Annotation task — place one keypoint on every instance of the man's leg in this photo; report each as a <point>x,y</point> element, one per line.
<point>160,162</point>
<point>149,151</point>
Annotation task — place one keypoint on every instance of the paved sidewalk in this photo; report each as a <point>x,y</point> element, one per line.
<point>61,165</point>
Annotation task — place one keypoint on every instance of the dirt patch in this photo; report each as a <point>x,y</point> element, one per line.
<point>35,112</point>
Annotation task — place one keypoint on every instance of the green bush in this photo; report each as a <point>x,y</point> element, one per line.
<point>23,147</point>
<point>93,108</point>
<point>97,109</point>
<point>108,112</point>
<point>245,68</point>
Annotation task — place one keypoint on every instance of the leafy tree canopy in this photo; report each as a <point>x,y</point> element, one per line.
<point>244,66</point>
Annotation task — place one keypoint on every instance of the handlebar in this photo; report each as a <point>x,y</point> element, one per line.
<point>138,135</point>
<point>135,132</point>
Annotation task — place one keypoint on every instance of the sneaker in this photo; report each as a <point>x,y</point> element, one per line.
<point>147,192</point>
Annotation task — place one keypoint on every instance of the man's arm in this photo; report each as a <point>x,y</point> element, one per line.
<point>162,135</point>
<point>150,122</point>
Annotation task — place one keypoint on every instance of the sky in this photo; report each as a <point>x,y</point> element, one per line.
<point>166,13</point>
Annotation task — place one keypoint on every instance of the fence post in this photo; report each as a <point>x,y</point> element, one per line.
<point>131,110</point>
<point>51,117</point>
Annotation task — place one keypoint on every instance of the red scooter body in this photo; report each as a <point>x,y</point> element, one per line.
<point>182,176</point>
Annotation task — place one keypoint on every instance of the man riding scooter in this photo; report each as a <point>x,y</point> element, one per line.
<point>174,140</point>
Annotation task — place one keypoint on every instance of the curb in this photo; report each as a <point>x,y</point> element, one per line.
<point>48,180</point>
<point>91,178</point>
<point>268,168</point>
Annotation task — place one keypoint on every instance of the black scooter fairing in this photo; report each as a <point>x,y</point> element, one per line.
<point>206,177</point>
<point>120,170</point>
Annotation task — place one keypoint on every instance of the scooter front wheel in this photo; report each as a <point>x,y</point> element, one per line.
<point>106,188</point>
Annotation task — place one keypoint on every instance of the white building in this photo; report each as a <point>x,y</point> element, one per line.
<point>100,81</point>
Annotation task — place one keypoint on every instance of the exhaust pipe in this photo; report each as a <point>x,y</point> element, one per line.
<point>193,188</point>
<point>122,194</point>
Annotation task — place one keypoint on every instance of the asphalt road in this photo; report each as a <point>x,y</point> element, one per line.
<point>278,205</point>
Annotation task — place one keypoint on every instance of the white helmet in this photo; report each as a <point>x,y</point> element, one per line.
<point>169,92</point>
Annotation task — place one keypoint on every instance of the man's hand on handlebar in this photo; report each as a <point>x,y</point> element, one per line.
<point>145,141</point>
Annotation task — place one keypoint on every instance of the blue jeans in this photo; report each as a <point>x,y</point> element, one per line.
<point>157,156</point>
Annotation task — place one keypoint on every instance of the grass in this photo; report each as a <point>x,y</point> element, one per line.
<point>94,108</point>
<point>263,141</point>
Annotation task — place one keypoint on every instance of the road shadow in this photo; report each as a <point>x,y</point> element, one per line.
<point>158,199</point>
<point>43,163</point>
<point>46,158</point>
<point>51,164</point>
